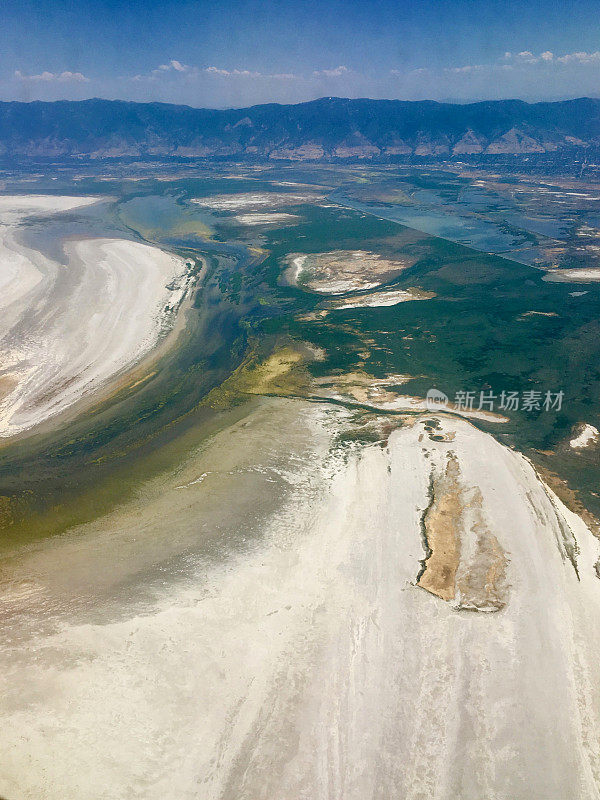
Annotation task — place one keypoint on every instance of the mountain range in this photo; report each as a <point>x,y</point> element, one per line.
<point>329,128</point>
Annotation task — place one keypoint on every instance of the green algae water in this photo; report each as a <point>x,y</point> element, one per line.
<point>493,325</point>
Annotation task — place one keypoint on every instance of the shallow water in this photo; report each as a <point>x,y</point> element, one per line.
<point>478,234</point>
<point>237,616</point>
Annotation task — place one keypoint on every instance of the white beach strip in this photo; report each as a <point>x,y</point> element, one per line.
<point>375,299</point>
<point>310,665</point>
<point>298,266</point>
<point>403,402</point>
<point>65,330</point>
<point>255,200</point>
<point>266,219</point>
<point>14,207</point>
<point>583,275</point>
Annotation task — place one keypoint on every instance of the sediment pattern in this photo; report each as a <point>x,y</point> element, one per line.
<point>67,328</point>
<point>302,660</point>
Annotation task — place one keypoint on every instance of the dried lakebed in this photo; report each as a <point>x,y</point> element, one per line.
<point>66,329</point>
<point>338,646</point>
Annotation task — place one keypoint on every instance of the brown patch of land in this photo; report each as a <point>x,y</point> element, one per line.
<point>282,373</point>
<point>567,495</point>
<point>442,526</point>
<point>360,387</point>
<point>341,271</point>
<point>465,563</point>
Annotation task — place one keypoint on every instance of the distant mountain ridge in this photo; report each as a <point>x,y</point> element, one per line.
<point>329,128</point>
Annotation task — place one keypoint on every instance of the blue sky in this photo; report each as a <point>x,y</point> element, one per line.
<point>236,53</point>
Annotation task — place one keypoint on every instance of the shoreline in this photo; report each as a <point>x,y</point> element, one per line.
<point>54,380</point>
<point>133,376</point>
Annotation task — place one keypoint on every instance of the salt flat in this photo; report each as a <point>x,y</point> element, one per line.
<point>581,275</point>
<point>586,436</point>
<point>391,297</point>
<point>270,218</point>
<point>310,662</point>
<point>67,328</point>
<point>341,271</point>
<point>256,201</point>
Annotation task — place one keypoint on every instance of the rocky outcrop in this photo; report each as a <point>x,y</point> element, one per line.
<point>515,141</point>
<point>469,144</point>
<point>399,149</point>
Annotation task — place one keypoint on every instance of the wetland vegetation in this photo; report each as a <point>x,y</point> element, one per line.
<point>490,323</point>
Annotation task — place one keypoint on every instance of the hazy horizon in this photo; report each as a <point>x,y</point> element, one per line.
<point>239,54</point>
<point>445,101</point>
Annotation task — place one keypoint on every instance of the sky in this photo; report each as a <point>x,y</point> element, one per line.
<point>236,53</point>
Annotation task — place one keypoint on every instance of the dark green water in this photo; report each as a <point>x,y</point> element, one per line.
<point>476,334</point>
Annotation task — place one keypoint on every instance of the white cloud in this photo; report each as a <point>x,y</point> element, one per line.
<point>174,69</point>
<point>509,68</point>
<point>331,73</point>
<point>548,57</point>
<point>527,57</point>
<point>216,71</point>
<point>178,66</point>
<point>580,58</point>
<point>48,77</point>
<point>172,66</point>
<point>246,73</point>
<point>234,73</point>
<point>525,74</point>
<point>466,68</point>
